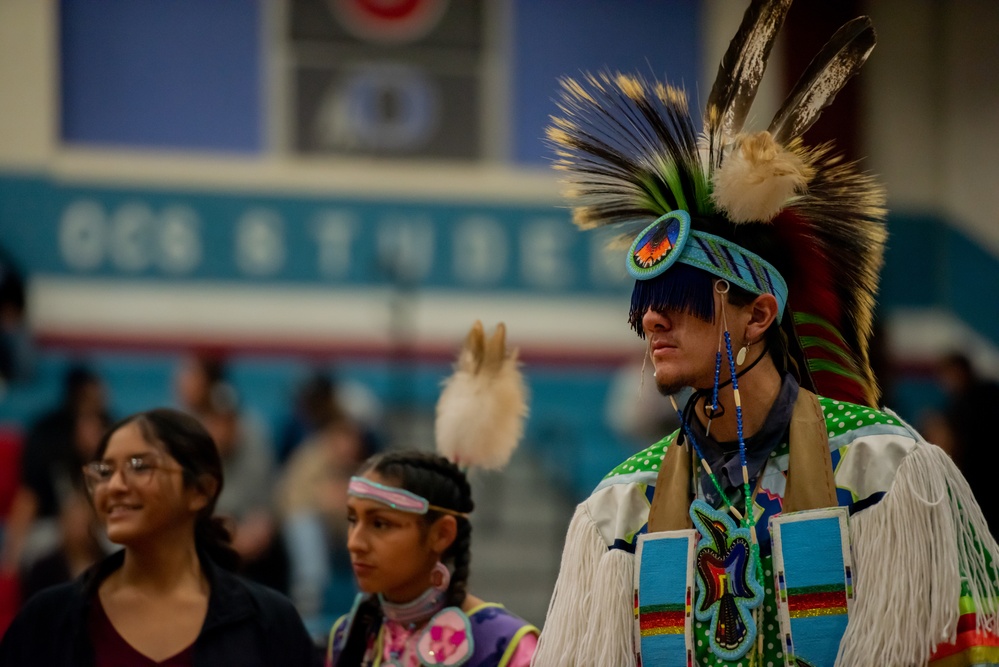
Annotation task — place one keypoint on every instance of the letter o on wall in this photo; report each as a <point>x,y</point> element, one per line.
<point>82,234</point>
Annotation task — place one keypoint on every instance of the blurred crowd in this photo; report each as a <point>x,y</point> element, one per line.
<point>284,491</point>
<point>285,483</point>
<point>17,354</point>
<point>962,426</point>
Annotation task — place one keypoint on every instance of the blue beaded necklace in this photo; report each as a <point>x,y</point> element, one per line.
<point>747,518</point>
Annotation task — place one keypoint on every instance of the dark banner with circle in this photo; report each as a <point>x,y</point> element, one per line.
<point>399,79</point>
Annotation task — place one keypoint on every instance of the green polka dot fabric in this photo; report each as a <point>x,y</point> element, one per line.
<point>842,417</point>
<point>647,460</point>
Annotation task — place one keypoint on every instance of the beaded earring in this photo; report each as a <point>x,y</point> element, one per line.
<point>714,409</point>
<point>746,520</point>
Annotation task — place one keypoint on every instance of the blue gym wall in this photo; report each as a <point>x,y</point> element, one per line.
<point>185,77</point>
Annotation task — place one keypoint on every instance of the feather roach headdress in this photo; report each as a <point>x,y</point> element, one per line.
<point>481,410</point>
<point>761,210</point>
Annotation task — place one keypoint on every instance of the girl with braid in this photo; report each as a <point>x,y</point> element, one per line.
<point>409,535</point>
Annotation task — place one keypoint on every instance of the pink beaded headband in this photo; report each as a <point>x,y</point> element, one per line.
<point>394,497</point>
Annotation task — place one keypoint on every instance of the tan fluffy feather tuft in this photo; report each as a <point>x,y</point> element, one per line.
<point>758,178</point>
<point>481,410</point>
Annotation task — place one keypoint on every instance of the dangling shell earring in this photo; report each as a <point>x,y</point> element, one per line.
<point>440,577</point>
<point>740,358</point>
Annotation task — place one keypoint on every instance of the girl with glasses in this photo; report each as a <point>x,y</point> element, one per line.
<point>169,597</point>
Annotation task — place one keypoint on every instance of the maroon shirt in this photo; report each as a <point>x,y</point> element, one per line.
<point>111,649</point>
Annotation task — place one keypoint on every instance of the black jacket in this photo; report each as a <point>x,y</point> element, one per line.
<point>247,625</point>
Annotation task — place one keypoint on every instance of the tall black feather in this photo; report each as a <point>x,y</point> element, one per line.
<point>740,73</point>
<point>837,62</point>
<point>628,152</point>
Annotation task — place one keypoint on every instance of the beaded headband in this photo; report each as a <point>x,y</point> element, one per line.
<point>670,239</point>
<point>630,151</point>
<point>396,498</point>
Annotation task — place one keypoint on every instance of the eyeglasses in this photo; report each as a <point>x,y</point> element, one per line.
<point>137,470</point>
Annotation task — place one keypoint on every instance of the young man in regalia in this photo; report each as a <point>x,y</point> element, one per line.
<point>789,521</point>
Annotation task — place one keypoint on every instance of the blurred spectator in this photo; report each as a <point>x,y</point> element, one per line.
<point>196,377</point>
<point>634,409</point>
<point>312,499</point>
<point>319,401</point>
<point>82,543</point>
<point>882,361</point>
<point>16,347</point>
<point>56,446</point>
<point>315,405</point>
<point>964,430</point>
<point>202,389</point>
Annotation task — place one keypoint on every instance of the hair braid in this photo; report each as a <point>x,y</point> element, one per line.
<point>364,628</point>
<point>460,551</point>
<point>443,484</point>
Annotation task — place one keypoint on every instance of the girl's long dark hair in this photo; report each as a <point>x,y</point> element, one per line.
<point>186,440</point>
<point>443,484</point>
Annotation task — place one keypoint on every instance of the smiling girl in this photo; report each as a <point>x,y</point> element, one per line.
<point>168,597</point>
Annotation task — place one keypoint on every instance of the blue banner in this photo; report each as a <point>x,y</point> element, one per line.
<point>160,234</point>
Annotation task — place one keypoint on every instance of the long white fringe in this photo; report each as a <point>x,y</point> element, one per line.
<point>910,552</point>
<point>590,613</point>
<point>610,635</point>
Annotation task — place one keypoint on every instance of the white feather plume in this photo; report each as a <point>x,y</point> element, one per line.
<point>758,178</point>
<point>482,407</point>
